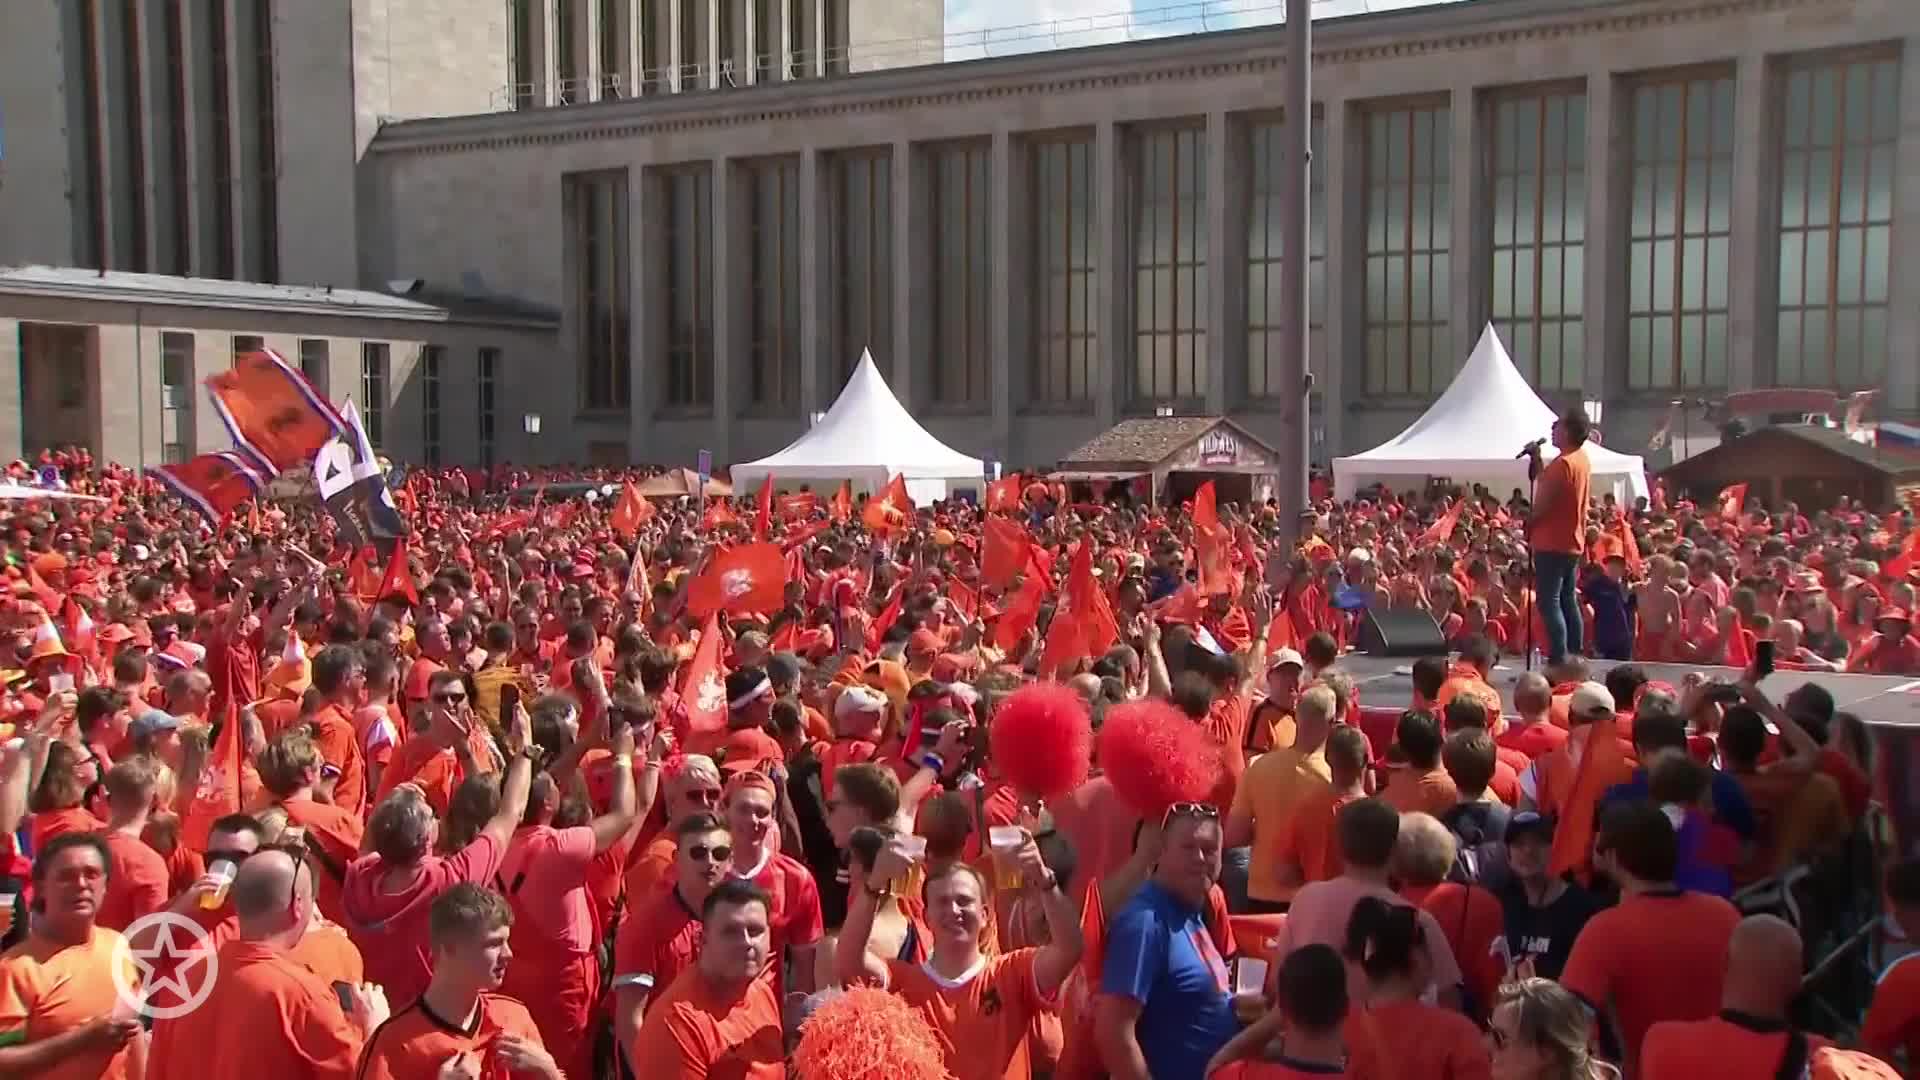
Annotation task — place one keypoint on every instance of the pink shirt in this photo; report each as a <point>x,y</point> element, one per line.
<point>1322,909</point>
<point>390,928</point>
<point>545,874</point>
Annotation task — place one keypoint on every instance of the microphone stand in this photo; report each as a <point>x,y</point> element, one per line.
<point>1526,546</point>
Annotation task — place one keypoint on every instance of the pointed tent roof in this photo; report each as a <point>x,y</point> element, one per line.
<point>867,436</point>
<point>1473,430</point>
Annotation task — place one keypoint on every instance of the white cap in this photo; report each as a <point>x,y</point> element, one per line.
<point>1283,656</point>
<point>1590,699</point>
<point>858,699</point>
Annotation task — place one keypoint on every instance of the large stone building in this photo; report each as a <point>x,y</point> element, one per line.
<point>1652,199</point>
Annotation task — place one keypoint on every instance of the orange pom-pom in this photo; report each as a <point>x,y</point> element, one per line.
<point>1155,756</point>
<point>1042,739</point>
<point>868,1034</point>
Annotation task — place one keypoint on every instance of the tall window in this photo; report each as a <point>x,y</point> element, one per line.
<point>597,207</point>
<point>489,373</point>
<point>656,35</point>
<point>178,204</point>
<point>520,39</point>
<point>731,70</point>
<point>1061,194</point>
<point>962,272</point>
<point>373,390</point>
<point>566,61</point>
<point>693,44</point>
<point>313,363</point>
<point>1677,244</point>
<point>612,48</point>
<point>773,226</point>
<point>176,397</point>
<point>1538,171</point>
<point>766,38</point>
<point>431,359</point>
<point>246,343</point>
<point>223,174</point>
<point>803,28</point>
<point>1170,264</point>
<point>688,197</point>
<point>1266,336</point>
<point>129,146</point>
<point>1838,147</point>
<point>863,259</point>
<point>266,173</point>
<point>1409,238</point>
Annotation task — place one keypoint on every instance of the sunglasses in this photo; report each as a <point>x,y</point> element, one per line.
<point>449,699</point>
<point>716,853</point>
<point>704,796</point>
<point>1205,811</point>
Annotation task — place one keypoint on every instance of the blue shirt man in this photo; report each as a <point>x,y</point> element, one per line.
<point>1162,966</point>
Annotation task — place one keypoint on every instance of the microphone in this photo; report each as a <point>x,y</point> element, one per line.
<point>1530,449</point>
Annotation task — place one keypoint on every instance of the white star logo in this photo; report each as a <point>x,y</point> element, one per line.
<point>712,694</point>
<point>735,584</point>
<point>187,967</point>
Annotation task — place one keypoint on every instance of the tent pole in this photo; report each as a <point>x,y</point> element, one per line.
<point>1297,146</point>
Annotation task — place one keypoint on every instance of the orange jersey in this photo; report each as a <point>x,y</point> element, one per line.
<point>1893,1020</point>
<point>136,881</point>
<point>694,1031</point>
<point>337,833</point>
<point>48,989</point>
<point>415,1043</point>
<point>982,1021</point>
<point>1725,1045</point>
<point>1414,1039</point>
<point>1308,841</point>
<point>266,1016</point>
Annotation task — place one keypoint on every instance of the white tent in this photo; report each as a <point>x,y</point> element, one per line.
<point>867,437</point>
<point>10,492</point>
<point>1470,436</point>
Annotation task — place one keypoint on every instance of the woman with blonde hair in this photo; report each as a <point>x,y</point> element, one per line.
<point>1540,1031</point>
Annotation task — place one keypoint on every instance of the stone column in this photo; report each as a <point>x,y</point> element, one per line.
<point>1465,284</point>
<point>11,359</point>
<point>907,217</point>
<point>1903,267</point>
<point>1008,240</point>
<point>1113,270</point>
<point>815,278</point>
<point>1221,316</point>
<point>645,318</point>
<point>586,45</point>
<point>1603,315</point>
<point>1753,249</point>
<point>1344,337</point>
<point>725,345</point>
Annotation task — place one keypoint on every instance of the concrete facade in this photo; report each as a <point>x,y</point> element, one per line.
<point>486,193</point>
<point>128,333</point>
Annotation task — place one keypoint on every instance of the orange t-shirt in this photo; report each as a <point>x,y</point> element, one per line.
<point>981,1021</point>
<point>648,869</point>
<point>1472,919</point>
<point>434,769</point>
<point>1227,722</point>
<point>49,989</point>
<point>337,832</point>
<point>1727,1045</point>
<point>1656,956</point>
<point>415,1042</point>
<point>136,881</point>
<point>1414,1039</point>
<point>1893,1020</point>
<point>1411,791</point>
<point>694,1031</point>
<point>1308,840</point>
<point>48,824</point>
<point>1560,504</point>
<point>328,952</point>
<point>339,746</point>
<point>267,1015</point>
<point>1282,1068</point>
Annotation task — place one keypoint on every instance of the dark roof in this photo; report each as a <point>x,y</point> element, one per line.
<point>1888,460</point>
<point>1151,439</point>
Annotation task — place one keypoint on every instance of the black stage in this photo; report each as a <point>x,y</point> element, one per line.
<point>1882,701</point>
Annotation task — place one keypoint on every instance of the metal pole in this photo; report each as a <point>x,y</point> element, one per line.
<point>1296,152</point>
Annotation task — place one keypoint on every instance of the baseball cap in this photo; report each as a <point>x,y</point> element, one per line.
<point>1284,656</point>
<point>1894,614</point>
<point>1528,823</point>
<point>152,722</point>
<point>1590,699</point>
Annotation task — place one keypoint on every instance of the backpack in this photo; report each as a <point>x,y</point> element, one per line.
<point>1829,1063</point>
<point>1480,849</point>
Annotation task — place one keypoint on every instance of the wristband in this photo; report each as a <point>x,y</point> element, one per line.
<point>931,760</point>
<point>623,761</point>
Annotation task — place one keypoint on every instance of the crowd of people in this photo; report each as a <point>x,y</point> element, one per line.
<point>1042,783</point>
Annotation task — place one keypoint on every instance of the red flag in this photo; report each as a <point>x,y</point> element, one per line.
<point>787,637</point>
<point>216,791</point>
<point>796,565</point>
<point>1004,553</point>
<point>78,631</point>
<point>1573,836</point>
<point>747,580</point>
<point>630,512</point>
<point>703,689</point>
<point>1902,564</point>
<point>1732,500</point>
<point>718,514</point>
<point>763,521</point>
<point>843,502</point>
<point>398,580</point>
<point>1216,572</point>
<point>964,600</point>
<point>272,412</point>
<point>505,524</point>
<point>216,484</point>
<point>1280,632</point>
<point>890,509</point>
<point>1020,615</point>
<point>51,599</point>
<point>798,506</point>
<point>361,576</point>
<point>1182,607</point>
<point>1440,531</point>
<point>889,615</point>
<point>1003,495</point>
<point>1629,544</point>
<point>637,576</point>
<point>1206,513</point>
<point>1082,622</point>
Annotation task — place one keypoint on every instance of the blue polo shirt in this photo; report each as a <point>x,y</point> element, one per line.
<point>1160,954</point>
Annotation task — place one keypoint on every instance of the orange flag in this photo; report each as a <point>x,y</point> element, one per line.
<point>1082,624</point>
<point>1440,531</point>
<point>1003,495</point>
<point>1599,766</point>
<point>398,579</point>
<point>718,514</point>
<point>1020,614</point>
<point>890,509</point>
<point>877,632</point>
<point>763,521</point>
<point>637,576</point>
<point>842,509</point>
<point>1280,632</point>
<point>1206,513</point>
<point>216,791</point>
<point>1732,499</point>
<point>1902,564</point>
<point>964,600</point>
<point>630,512</point>
<point>1004,553</point>
<point>798,506</point>
<point>747,580</point>
<point>703,689</point>
<point>1629,544</point>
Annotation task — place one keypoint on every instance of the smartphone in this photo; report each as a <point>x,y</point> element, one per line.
<point>1005,837</point>
<point>1762,659</point>
<point>344,992</point>
<point>509,697</point>
<point>60,681</point>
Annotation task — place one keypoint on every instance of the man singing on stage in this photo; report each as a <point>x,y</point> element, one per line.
<point>1556,531</point>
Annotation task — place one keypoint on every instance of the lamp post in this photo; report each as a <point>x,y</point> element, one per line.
<point>530,423</point>
<point>1297,149</point>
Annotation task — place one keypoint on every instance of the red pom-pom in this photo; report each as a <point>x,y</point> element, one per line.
<point>869,1034</point>
<point>1155,756</point>
<point>1042,739</point>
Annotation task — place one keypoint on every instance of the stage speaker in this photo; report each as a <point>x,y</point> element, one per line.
<point>1400,633</point>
